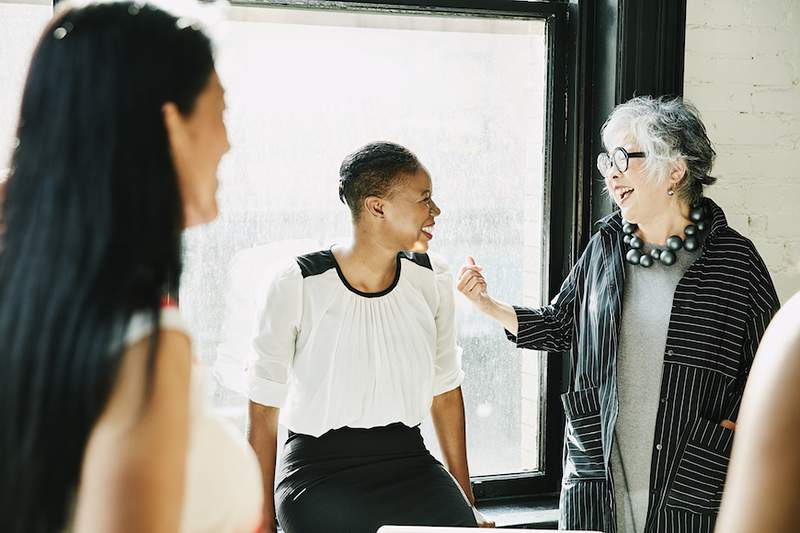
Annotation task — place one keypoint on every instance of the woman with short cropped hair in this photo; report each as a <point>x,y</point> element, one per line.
<point>356,345</point>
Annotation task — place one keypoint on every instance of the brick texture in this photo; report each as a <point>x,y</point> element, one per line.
<point>743,73</point>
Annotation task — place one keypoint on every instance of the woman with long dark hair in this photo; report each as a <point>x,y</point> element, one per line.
<point>101,421</point>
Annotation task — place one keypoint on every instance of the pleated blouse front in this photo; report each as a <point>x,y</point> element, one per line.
<point>330,356</point>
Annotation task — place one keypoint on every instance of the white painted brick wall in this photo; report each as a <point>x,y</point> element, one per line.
<point>743,73</point>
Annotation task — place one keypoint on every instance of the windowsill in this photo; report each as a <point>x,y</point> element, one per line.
<point>539,512</point>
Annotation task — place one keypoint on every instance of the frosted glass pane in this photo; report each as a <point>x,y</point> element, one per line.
<point>306,88</point>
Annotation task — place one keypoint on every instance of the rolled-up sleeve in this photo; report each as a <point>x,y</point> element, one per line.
<point>447,367</point>
<point>274,344</point>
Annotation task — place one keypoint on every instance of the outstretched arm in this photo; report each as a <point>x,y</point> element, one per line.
<point>546,328</point>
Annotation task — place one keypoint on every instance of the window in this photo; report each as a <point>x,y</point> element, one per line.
<point>21,24</point>
<point>468,93</point>
<point>292,120</point>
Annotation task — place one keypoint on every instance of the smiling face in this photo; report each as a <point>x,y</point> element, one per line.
<point>638,194</point>
<point>198,141</point>
<point>410,212</point>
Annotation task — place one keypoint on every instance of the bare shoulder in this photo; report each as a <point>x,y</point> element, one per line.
<point>138,442</point>
<point>769,406</point>
<point>173,357</point>
<point>171,369</point>
<point>761,491</point>
<point>789,315</point>
<point>778,358</point>
<point>788,319</point>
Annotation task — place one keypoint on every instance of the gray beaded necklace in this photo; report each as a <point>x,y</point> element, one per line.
<point>637,255</point>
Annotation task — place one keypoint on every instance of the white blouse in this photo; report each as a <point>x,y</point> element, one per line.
<point>331,356</point>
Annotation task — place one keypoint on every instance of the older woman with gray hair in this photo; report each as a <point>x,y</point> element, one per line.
<point>663,314</point>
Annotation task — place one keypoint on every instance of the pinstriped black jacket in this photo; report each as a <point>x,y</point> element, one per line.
<point>720,310</point>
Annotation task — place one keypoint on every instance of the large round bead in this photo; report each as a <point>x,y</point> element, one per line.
<point>646,261</point>
<point>690,243</point>
<point>696,214</point>
<point>628,229</point>
<point>626,239</point>
<point>691,229</point>
<point>667,257</point>
<point>633,256</point>
<point>701,226</point>
<point>674,243</point>
<point>636,243</point>
<point>655,253</point>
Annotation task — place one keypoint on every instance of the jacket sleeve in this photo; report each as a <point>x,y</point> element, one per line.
<point>550,328</point>
<point>765,303</point>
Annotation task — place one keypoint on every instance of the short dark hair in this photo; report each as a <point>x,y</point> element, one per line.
<point>372,170</point>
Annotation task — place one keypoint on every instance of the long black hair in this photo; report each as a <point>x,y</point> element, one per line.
<point>92,217</point>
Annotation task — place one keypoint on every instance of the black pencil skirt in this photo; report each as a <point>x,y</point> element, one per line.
<point>357,480</point>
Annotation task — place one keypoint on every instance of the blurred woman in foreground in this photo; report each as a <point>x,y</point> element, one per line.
<point>102,425</point>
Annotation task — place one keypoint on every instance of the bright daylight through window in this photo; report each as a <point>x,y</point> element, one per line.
<point>304,89</point>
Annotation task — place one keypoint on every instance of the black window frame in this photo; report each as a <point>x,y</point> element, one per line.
<point>600,53</point>
<point>559,164</point>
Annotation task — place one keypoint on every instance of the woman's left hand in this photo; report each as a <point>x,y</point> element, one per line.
<point>481,518</point>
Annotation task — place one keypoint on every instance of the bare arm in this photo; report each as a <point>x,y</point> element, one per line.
<point>447,412</point>
<point>503,313</point>
<point>134,468</point>
<point>263,437</point>
<point>762,489</point>
<point>472,284</point>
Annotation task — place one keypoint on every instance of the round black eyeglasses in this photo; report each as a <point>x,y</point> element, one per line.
<point>618,158</point>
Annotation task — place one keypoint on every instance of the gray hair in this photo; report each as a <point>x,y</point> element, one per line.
<point>666,130</point>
